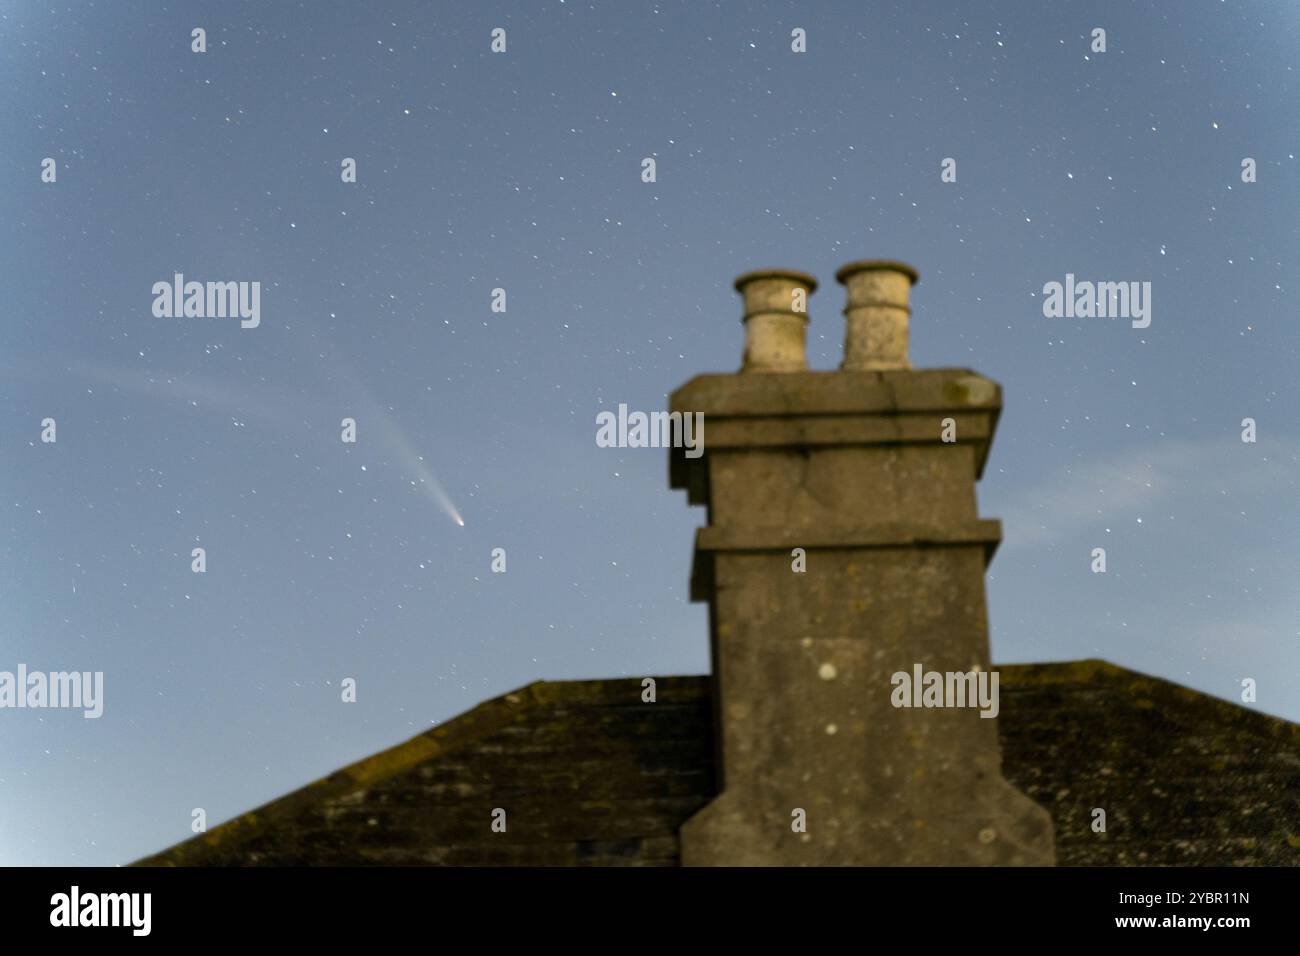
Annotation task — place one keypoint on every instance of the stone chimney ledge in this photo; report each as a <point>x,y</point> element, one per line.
<point>711,540</point>
<point>833,409</point>
<point>837,392</point>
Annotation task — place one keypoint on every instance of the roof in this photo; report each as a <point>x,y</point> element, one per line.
<point>589,774</point>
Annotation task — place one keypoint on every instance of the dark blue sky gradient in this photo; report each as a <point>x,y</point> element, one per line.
<point>522,171</point>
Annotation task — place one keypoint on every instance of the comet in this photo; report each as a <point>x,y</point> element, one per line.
<point>414,462</point>
<point>391,433</point>
<point>278,408</point>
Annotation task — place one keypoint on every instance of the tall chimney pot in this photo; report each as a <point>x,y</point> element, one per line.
<point>877,313</point>
<point>776,319</point>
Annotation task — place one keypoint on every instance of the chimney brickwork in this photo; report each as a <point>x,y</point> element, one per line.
<point>816,764</point>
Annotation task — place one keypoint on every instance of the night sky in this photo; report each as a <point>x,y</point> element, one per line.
<point>522,171</point>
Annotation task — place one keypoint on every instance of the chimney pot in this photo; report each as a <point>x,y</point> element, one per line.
<point>877,314</point>
<point>775,322</point>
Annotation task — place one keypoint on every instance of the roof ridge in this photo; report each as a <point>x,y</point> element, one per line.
<point>1090,669</point>
<point>446,738</point>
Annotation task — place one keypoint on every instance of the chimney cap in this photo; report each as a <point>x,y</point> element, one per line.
<point>865,265</point>
<point>795,275</point>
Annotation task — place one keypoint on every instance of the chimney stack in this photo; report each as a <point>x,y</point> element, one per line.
<point>877,313</point>
<point>844,548</point>
<point>776,319</point>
